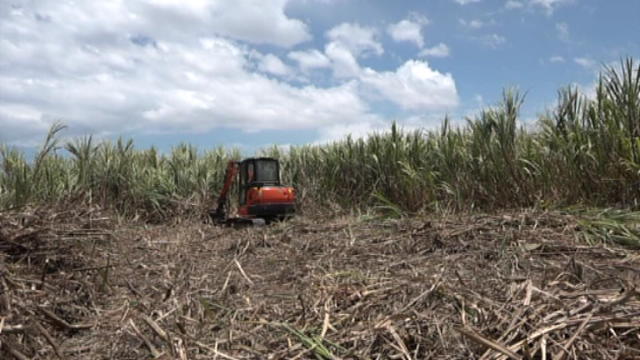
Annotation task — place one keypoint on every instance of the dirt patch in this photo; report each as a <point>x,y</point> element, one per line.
<point>82,284</point>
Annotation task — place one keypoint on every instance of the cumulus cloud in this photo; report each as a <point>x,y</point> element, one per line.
<point>465,2</point>
<point>359,40</point>
<point>254,21</point>
<point>441,50</point>
<point>20,122</point>
<point>356,131</point>
<point>343,62</point>
<point>347,42</point>
<point>272,64</point>
<point>414,86</point>
<point>309,59</point>
<point>409,30</point>
<point>156,66</point>
<point>191,89</point>
<point>64,63</point>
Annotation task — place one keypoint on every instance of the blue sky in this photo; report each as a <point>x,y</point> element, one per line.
<point>250,73</point>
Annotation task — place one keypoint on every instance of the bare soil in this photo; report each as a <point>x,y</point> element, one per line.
<point>84,284</point>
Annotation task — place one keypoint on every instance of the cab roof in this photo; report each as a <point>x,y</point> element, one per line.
<point>259,159</point>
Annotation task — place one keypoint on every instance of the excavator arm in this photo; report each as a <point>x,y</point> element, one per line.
<point>220,213</point>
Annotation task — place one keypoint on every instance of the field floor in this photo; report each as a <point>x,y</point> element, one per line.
<point>83,285</point>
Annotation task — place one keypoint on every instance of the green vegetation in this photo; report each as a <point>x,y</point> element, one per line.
<point>113,175</point>
<point>584,151</point>
<point>317,344</point>
<point>611,227</point>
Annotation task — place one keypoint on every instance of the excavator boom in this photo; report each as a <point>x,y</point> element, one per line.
<point>220,214</point>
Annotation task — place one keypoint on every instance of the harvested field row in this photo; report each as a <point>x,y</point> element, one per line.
<point>83,285</point>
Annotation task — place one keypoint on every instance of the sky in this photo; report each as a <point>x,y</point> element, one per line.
<point>251,73</point>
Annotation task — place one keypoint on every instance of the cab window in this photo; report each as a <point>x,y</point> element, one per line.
<point>267,171</point>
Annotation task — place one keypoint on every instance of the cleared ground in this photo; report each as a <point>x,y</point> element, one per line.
<point>83,285</point>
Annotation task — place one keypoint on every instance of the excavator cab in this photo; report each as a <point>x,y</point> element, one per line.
<point>261,196</point>
<point>256,173</point>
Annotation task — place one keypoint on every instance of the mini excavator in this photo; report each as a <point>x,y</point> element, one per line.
<point>261,196</point>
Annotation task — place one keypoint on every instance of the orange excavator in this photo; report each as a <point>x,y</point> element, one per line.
<point>261,196</point>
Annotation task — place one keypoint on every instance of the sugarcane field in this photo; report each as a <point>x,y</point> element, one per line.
<point>319,180</point>
<point>80,283</point>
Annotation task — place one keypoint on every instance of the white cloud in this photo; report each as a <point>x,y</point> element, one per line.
<point>474,24</point>
<point>549,5</point>
<point>424,122</point>
<point>359,40</point>
<point>20,122</point>
<point>440,50</point>
<point>588,90</point>
<point>356,131</point>
<point>254,21</point>
<point>413,122</point>
<point>556,59</point>
<point>309,59</point>
<point>343,62</point>
<point>513,4</point>
<point>465,2</point>
<point>113,70</point>
<point>563,31</point>
<point>585,62</point>
<point>409,30</point>
<point>192,89</point>
<point>414,86</point>
<point>492,40</point>
<point>272,64</point>
<point>155,66</point>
